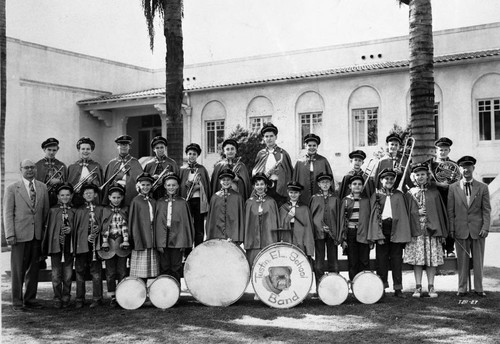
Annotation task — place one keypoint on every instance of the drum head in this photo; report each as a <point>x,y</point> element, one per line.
<point>217,272</point>
<point>164,292</point>
<point>333,289</point>
<point>282,275</point>
<point>367,287</point>
<point>131,293</point>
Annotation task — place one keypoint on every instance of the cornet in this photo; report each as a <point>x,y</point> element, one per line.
<point>88,179</point>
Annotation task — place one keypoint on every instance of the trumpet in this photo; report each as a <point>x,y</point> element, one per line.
<point>410,142</point>
<point>237,166</point>
<point>275,167</point>
<point>115,174</point>
<point>196,179</point>
<point>370,167</point>
<point>88,178</point>
<point>158,181</point>
<point>58,172</point>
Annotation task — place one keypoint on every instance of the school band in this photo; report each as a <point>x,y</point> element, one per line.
<point>154,217</point>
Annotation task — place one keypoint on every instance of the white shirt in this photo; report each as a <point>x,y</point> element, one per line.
<point>27,185</point>
<point>387,212</point>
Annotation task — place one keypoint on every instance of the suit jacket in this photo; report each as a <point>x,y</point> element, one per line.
<point>468,220</point>
<point>22,220</point>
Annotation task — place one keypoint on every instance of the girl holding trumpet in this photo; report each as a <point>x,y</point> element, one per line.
<point>49,170</point>
<point>160,165</point>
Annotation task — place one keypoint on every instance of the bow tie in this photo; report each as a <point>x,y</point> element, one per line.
<point>115,210</point>
<point>160,160</point>
<point>123,159</point>
<point>49,161</point>
<point>260,199</point>
<point>170,198</point>
<point>191,166</point>
<point>90,205</point>
<point>84,162</point>
<point>384,192</point>
<point>311,157</point>
<point>146,197</point>
<point>64,207</point>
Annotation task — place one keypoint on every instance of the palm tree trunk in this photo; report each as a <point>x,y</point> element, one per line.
<point>174,77</point>
<point>3,106</point>
<point>422,79</point>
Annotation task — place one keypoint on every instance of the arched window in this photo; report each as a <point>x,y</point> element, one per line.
<point>260,110</point>
<point>486,98</point>
<point>214,115</point>
<point>309,108</point>
<point>364,104</point>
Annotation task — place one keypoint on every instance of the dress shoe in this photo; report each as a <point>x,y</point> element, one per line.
<point>461,294</point>
<point>58,304</point>
<point>79,304</point>
<point>17,308</point>
<point>33,305</point>
<point>65,304</point>
<point>95,303</point>
<point>399,293</point>
<point>113,303</point>
<point>451,254</point>
<point>480,293</point>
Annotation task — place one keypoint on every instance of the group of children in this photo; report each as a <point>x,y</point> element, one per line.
<point>160,225</point>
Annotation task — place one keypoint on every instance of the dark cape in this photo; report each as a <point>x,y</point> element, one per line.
<point>82,219</point>
<point>244,185</point>
<point>318,207</point>
<point>226,215</point>
<point>135,170</point>
<point>155,164</point>
<point>181,234</point>
<point>260,231</point>
<point>344,185</point>
<point>114,243</point>
<point>140,227</point>
<point>205,187</point>
<point>45,169</point>
<point>303,175</point>
<point>53,225</point>
<point>437,217</point>
<point>302,234</point>
<point>363,222</point>
<point>285,169</point>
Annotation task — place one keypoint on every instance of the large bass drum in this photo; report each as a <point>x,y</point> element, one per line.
<point>367,287</point>
<point>217,272</point>
<point>131,293</point>
<point>164,291</point>
<point>333,289</point>
<point>282,275</point>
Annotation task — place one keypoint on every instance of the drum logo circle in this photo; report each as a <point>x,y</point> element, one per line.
<point>282,276</point>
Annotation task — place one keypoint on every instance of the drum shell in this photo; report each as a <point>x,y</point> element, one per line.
<point>367,287</point>
<point>131,293</point>
<point>282,275</point>
<point>333,289</point>
<point>164,291</point>
<point>114,248</point>
<point>217,272</point>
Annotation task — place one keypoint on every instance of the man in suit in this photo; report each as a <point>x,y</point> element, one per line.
<point>26,204</point>
<point>469,216</point>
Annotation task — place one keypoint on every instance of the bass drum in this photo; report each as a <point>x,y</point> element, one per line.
<point>217,272</point>
<point>131,293</point>
<point>367,287</point>
<point>164,291</point>
<point>282,275</point>
<point>333,289</point>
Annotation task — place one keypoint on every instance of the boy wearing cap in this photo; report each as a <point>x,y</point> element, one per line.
<point>87,230</point>
<point>160,165</point>
<point>275,163</point>
<point>84,170</point>
<point>324,208</point>
<point>58,244</point>
<point>469,215</point>
<point>428,222</point>
<point>195,188</point>
<point>174,230</point>
<point>261,218</point>
<point>308,167</point>
<point>49,170</point>
<point>392,160</point>
<point>123,169</point>
<point>390,229</point>
<point>296,221</point>
<point>226,216</point>
<point>357,159</point>
<point>114,246</point>
<point>354,223</point>
<point>241,181</point>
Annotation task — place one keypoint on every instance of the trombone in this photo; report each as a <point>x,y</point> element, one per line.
<point>158,181</point>
<point>114,176</point>
<point>410,142</point>
<point>88,179</point>
<point>196,179</point>
<point>370,167</point>
<point>59,171</point>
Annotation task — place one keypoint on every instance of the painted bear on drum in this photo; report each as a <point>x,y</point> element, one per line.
<point>278,279</point>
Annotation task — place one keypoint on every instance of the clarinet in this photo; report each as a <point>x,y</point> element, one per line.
<point>95,231</point>
<point>63,235</point>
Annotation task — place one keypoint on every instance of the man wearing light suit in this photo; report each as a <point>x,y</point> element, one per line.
<point>469,216</point>
<point>26,204</point>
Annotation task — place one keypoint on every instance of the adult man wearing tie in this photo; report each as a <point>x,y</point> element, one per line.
<point>469,215</point>
<point>26,204</point>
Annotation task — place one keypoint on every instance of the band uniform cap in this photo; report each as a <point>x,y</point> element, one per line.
<point>357,154</point>
<point>231,142</point>
<point>193,146</point>
<point>171,175</point>
<point>65,186</point>
<point>226,173</point>
<point>323,176</point>
<point>126,139</point>
<point>51,141</point>
<point>387,172</point>
<point>260,176</point>
<point>89,186</point>
<point>269,127</point>
<point>356,177</point>
<point>393,137</point>
<point>420,166</point>
<point>466,161</point>
<point>115,187</point>
<point>443,142</point>
<point>86,140</point>
<point>294,186</point>
<point>145,176</point>
<point>312,137</point>
<point>158,139</point>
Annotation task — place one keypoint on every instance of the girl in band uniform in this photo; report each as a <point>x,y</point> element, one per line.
<point>160,164</point>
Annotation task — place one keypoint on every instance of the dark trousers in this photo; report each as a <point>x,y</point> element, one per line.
<point>199,223</point>
<point>449,245</point>
<point>62,274</point>
<point>358,255</point>
<point>24,258</point>
<point>390,255</point>
<point>171,263</point>
<point>319,257</point>
<point>83,264</point>
<point>116,269</point>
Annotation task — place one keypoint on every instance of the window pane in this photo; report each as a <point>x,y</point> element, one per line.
<point>365,127</point>
<point>484,120</point>
<point>497,124</point>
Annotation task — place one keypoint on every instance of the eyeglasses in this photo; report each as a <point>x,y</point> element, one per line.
<point>29,167</point>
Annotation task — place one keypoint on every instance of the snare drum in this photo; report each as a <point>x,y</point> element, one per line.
<point>333,289</point>
<point>164,291</point>
<point>282,275</point>
<point>131,293</point>
<point>217,272</point>
<point>367,287</point>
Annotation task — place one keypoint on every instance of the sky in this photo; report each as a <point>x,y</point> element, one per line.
<point>224,29</point>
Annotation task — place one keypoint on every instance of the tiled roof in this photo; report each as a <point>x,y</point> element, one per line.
<point>160,92</point>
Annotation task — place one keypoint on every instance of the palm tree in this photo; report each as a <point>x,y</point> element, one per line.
<point>172,13</point>
<point>421,78</point>
<point>3,104</point>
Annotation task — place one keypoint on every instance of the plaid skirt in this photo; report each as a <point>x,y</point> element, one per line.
<point>144,264</point>
<point>424,250</point>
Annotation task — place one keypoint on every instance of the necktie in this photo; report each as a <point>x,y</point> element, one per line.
<point>32,194</point>
<point>467,188</point>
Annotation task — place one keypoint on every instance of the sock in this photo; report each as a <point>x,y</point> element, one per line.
<point>419,286</point>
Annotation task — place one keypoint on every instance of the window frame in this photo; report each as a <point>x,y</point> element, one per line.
<point>492,119</point>
<point>355,136</point>
<point>311,125</point>
<point>216,122</point>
